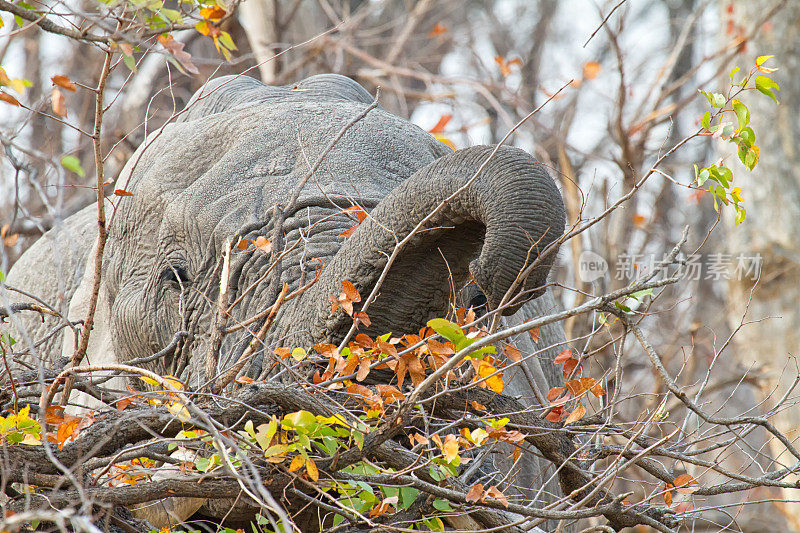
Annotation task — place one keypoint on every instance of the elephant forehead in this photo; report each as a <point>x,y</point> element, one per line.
<point>261,153</point>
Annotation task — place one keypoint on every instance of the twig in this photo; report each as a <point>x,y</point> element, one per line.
<point>102,232</point>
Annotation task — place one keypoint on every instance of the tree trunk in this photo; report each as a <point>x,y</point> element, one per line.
<point>772,228</point>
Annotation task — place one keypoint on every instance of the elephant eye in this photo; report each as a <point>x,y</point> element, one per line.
<point>175,274</point>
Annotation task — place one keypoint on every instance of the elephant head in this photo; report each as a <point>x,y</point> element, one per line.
<point>237,165</point>
<point>232,162</point>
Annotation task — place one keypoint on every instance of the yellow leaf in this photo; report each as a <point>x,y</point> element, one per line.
<point>311,468</point>
<point>179,411</point>
<point>297,463</point>
<point>149,381</point>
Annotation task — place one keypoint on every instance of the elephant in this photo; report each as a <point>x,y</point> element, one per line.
<point>230,168</point>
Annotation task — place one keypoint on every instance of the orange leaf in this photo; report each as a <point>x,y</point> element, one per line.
<point>55,413</point>
<point>212,13</point>
<point>350,291</point>
<point>122,192</point>
<point>569,366</point>
<point>437,30</point>
<point>390,392</point>
<point>242,245</point>
<point>563,356</point>
<point>535,334</point>
<point>668,495</point>
<point>64,82</point>
<point>683,481</point>
<point>123,403</point>
<point>554,393</point>
<point>475,493</point>
<point>639,220</point>
<point>263,244</point>
<point>574,387</point>
<point>494,492</point>
<point>59,103</point>
<point>67,429</point>
<point>591,69</point>
<point>363,369</point>
<point>363,318</point>
<point>244,380</point>
<point>478,406</point>
<point>576,414</point>
<point>7,98</point>
<point>555,414</point>
<point>512,352</point>
<point>450,448</point>
<point>439,127</point>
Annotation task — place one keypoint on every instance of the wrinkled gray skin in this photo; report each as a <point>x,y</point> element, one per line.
<point>216,174</point>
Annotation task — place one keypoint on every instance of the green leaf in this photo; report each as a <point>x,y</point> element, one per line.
<point>70,162</point>
<point>765,86</point>
<point>446,329</point>
<point>434,524</point>
<point>202,464</point>
<point>740,215</point>
<point>226,41</point>
<point>702,176</point>
<point>408,496</point>
<point>742,113</point>
<point>130,62</point>
<point>719,100</point>
<point>622,307</point>
<point>20,22</point>
<point>706,122</point>
<point>442,505</point>
<point>639,294</point>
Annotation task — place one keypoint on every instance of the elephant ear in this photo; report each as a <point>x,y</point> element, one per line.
<point>101,349</point>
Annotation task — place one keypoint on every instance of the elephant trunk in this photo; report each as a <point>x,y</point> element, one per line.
<point>493,230</point>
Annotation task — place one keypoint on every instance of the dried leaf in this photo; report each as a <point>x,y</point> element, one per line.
<point>576,414</point>
<point>363,369</point>
<point>58,102</point>
<point>7,98</point>
<point>64,82</point>
<point>475,493</point>
<point>175,48</point>
<point>591,69</point>
<point>122,192</point>
<point>450,448</point>
<point>682,483</point>
<point>563,356</point>
<point>554,393</point>
<point>574,387</point>
<point>263,244</point>
<point>512,353</point>
<point>439,127</point>
<point>478,406</point>
<point>535,334</point>
<point>494,492</point>
<point>555,414</point>
<point>438,29</point>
